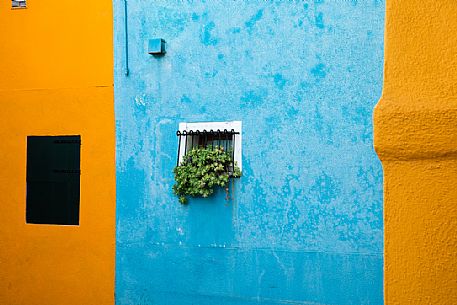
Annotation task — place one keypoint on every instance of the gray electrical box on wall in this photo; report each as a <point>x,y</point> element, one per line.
<point>156,46</point>
<point>18,4</point>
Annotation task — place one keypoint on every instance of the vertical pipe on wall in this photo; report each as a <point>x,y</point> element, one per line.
<point>126,40</point>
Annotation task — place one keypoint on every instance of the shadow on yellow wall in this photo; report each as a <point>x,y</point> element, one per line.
<point>56,79</point>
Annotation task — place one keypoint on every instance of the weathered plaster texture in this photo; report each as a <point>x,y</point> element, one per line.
<point>305,225</point>
<point>416,138</point>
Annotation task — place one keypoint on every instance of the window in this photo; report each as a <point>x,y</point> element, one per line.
<point>18,4</point>
<point>210,134</point>
<point>53,180</point>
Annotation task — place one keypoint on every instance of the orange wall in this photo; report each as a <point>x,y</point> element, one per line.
<point>56,79</point>
<point>56,45</point>
<point>416,139</point>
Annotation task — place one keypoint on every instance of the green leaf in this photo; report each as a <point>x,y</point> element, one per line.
<point>201,170</point>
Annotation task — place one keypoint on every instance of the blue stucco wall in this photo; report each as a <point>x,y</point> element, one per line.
<point>305,225</point>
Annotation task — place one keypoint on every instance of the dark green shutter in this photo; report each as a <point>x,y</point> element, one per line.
<point>53,179</point>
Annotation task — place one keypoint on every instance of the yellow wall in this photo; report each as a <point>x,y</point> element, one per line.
<point>416,138</point>
<point>56,79</point>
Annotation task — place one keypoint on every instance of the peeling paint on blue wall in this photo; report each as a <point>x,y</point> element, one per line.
<point>305,224</point>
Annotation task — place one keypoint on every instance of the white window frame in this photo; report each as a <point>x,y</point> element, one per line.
<point>235,125</point>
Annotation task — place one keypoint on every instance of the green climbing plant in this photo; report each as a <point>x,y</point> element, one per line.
<point>202,170</point>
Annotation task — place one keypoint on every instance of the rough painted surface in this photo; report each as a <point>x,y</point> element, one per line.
<point>56,79</point>
<point>305,225</point>
<point>416,138</point>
